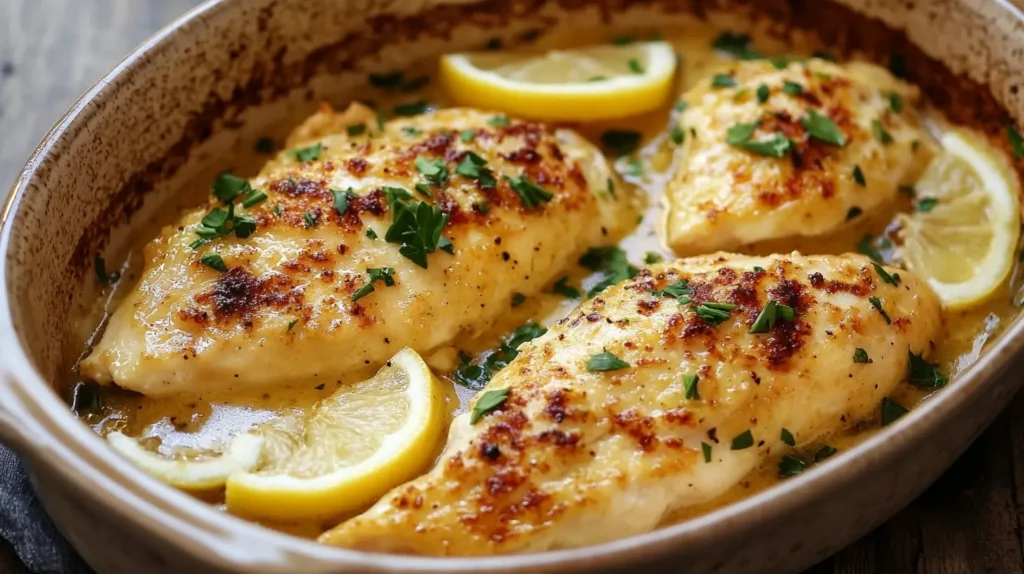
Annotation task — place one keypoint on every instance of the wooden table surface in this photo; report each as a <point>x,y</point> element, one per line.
<point>969,521</point>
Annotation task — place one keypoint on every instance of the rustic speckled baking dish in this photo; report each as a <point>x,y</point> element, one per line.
<point>233,67</point>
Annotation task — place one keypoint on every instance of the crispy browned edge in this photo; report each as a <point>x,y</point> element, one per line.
<point>964,101</point>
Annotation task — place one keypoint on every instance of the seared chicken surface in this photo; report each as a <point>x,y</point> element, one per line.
<point>800,151</point>
<point>291,300</point>
<point>573,445</point>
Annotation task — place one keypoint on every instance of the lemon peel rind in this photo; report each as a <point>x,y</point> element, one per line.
<point>241,455</point>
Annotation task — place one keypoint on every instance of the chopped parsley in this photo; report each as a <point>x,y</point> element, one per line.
<point>434,170</point>
<point>895,102</point>
<point>309,219</point>
<point>635,66</point>
<point>879,130</point>
<point>892,279</point>
<point>853,212</point>
<point>925,374</point>
<point>787,437</point>
<point>743,440</point>
<point>319,387</point>
<point>739,135</point>
<point>822,128</point>
<point>676,135</point>
<point>472,167</point>
<point>467,135</point>
<point>790,466</point>
<point>341,199</point>
<point>877,304</point>
<point>714,313</point>
<point>86,398</point>
<point>723,81</point>
<point>621,142</point>
<point>1016,142</point>
<point>498,121</point>
<point>705,449</point>
<point>680,106</point>
<point>824,452</point>
<point>292,323</point>
<point>410,131</point>
<point>383,274</point>
<point>411,108</point>
<point>762,94</point>
<point>562,287</point>
<point>487,402</point>
<point>530,193</point>
<point>214,261</point>
<point>858,176</point>
<point>897,65</point>
<point>477,375</point>
<point>417,229</point>
<point>518,299</point>
<point>635,167</point>
<point>690,387</point>
<point>679,290</point>
<point>221,223</point>
<point>926,204</point>
<point>891,411</point>
<point>605,361</point>
<point>792,88</point>
<point>736,45</point>
<point>611,261</point>
<point>371,233</point>
<point>264,146</point>
<point>101,272</point>
<point>356,130</point>
<point>253,198</point>
<point>311,153</point>
<point>861,356</point>
<point>226,187</point>
<point>650,258</point>
<point>772,312</point>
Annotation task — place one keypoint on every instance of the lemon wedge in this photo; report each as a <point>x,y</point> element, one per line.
<point>354,446</point>
<point>191,474</point>
<point>962,235</point>
<point>592,83</point>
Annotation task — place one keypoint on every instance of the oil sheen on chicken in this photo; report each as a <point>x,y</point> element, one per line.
<point>730,191</point>
<point>572,445</point>
<point>283,310</point>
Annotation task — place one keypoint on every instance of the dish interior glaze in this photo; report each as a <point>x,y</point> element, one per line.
<point>194,425</point>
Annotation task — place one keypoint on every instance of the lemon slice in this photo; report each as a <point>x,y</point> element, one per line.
<point>963,233</point>
<point>355,445</point>
<point>192,474</point>
<point>585,84</point>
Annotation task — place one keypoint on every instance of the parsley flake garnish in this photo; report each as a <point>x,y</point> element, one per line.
<point>562,287</point>
<point>311,153</point>
<point>477,375</point>
<point>487,402</point>
<point>384,274</point>
<point>891,411</point>
<point>635,66</point>
<point>690,387</point>
<point>472,167</point>
<point>309,219</point>
<point>824,452</point>
<point>787,437</point>
<point>926,204</point>
<point>498,121</point>
<point>822,128</point>
<point>467,135</point>
<point>891,279</point>
<point>705,449</point>
<point>100,266</point>
<point>621,142</point>
<point>341,199</point>
<point>897,65</point>
<point>1016,142</point>
<point>253,198</point>
<point>879,130</point>
<point>762,94</point>
<point>714,313</point>
<point>676,135</point>
<point>739,136</point>
<point>895,102</point>
<point>680,106</point>
<point>723,81</point>
<point>790,466</point>
<point>371,233</point>
<point>434,170</point>
<point>679,290</point>
<point>411,108</point>
<point>650,258</point>
<point>853,212</point>
<point>319,387</point>
<point>877,304</point>
<point>387,80</point>
<point>214,261</point>
<point>356,130</point>
<point>861,356</point>
<point>743,440</point>
<point>611,261</point>
<point>925,374</point>
<point>226,187</point>
<point>292,323</point>
<point>736,45</point>
<point>792,88</point>
<point>221,223</point>
<point>773,311</point>
<point>530,193</point>
<point>605,361</point>
<point>858,176</point>
<point>417,228</point>
<point>518,299</point>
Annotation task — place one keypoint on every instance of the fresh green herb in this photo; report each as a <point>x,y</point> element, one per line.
<point>411,108</point>
<point>763,93</point>
<point>445,244</point>
<point>891,411</point>
<point>824,452</point>
<point>221,223</point>
<point>914,144</point>
<point>758,269</point>
<point>650,258</point>
<point>434,170</point>
<point>677,135</point>
<point>723,81</point>
<point>879,130</point>
<point>477,375</point>
<point>679,290</point>
<point>867,247</point>
<point>1016,142</point>
<point>779,63</point>
<point>341,199</point>
<point>635,167</point>
<point>86,398</point>
<point>319,387</point>
<point>858,176</point>
<point>773,311</point>
<point>381,116</point>
<point>925,374</point>
<point>530,193</point>
<point>621,142</point>
<point>714,313</point>
<point>311,153</point>
<point>853,212</point>
<point>292,323</point>
<point>562,287</point>
<point>387,81</point>
<point>487,402</point>
<point>705,449</point>
<point>472,167</point>
<point>611,261</point>
<point>792,88</point>
<point>310,219</point>
<point>787,437</point>
<point>597,79</point>
<point>356,130</point>
<point>736,45</point>
<point>823,55</point>
<point>891,279</point>
<point>877,304</point>
<point>265,146</point>
<point>396,195</point>
<point>424,189</point>
<point>907,190</point>
<point>789,466</point>
<point>383,274</point>
<point>254,198</point>
<point>226,187</point>
<point>739,136</point>
<point>623,40</point>
<point>635,66</point>
<point>467,135</point>
<point>518,299</point>
<point>743,440</point>
<point>822,128</point>
<point>498,121</point>
<point>214,261</point>
<point>860,356</point>
<point>101,272</point>
<point>611,187</point>
<point>895,102</point>
<point>371,233</point>
<point>417,228</point>
<point>605,361</point>
<point>277,210</point>
<point>926,204</point>
<point>680,106</point>
<point>690,387</point>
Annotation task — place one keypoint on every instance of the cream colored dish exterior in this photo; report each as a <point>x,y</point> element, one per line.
<point>236,66</point>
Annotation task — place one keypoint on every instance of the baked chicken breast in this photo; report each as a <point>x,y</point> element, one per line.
<point>773,153</point>
<point>656,395</point>
<point>358,241</point>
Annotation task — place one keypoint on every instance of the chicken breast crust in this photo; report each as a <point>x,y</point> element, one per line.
<point>572,446</point>
<point>725,195</point>
<point>289,304</point>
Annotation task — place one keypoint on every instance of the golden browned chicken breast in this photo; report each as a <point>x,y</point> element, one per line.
<point>772,153</point>
<point>662,392</point>
<point>355,243</point>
